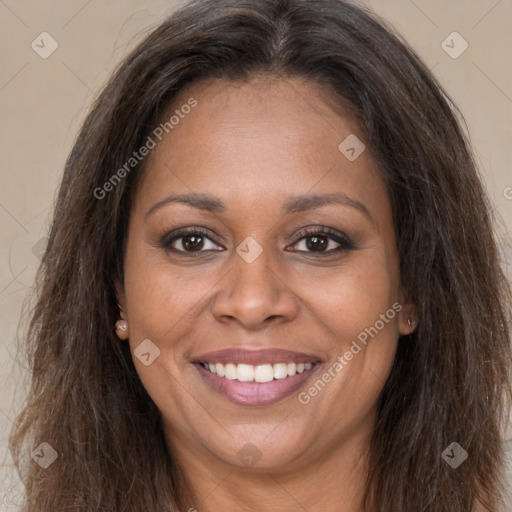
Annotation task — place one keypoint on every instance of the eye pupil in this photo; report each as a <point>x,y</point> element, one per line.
<point>193,242</point>
<point>315,243</point>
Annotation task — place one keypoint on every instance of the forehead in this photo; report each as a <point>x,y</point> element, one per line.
<point>257,142</point>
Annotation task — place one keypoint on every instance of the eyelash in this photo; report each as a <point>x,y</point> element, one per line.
<point>343,240</point>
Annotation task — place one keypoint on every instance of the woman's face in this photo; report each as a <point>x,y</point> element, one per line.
<point>260,163</point>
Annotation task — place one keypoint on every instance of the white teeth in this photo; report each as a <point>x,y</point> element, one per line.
<point>220,369</point>
<point>245,372</point>
<point>264,373</point>
<point>259,373</point>
<point>280,371</point>
<point>231,372</point>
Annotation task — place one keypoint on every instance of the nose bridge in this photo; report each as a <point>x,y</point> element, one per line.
<point>254,291</point>
<point>253,269</point>
<point>253,280</point>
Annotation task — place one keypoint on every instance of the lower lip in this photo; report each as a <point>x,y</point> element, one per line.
<point>256,393</point>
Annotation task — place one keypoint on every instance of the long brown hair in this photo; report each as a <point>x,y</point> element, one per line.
<point>451,378</point>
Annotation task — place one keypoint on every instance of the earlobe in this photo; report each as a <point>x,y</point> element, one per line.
<point>408,317</point>
<point>407,322</point>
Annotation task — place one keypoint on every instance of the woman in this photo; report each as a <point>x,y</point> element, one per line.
<point>274,205</point>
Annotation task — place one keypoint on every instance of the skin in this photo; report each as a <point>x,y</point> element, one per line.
<point>253,145</point>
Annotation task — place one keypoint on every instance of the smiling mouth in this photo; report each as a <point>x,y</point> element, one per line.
<point>256,373</point>
<point>256,385</point>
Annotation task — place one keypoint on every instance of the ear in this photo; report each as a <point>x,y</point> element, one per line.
<point>121,299</point>
<point>408,312</point>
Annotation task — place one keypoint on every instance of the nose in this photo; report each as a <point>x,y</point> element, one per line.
<point>254,294</point>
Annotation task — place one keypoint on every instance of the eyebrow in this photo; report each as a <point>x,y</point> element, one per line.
<point>294,204</point>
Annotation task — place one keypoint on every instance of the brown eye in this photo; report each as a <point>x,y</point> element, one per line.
<point>188,241</point>
<point>192,242</point>
<point>323,241</point>
<point>317,243</point>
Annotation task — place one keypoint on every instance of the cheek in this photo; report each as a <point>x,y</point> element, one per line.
<point>352,297</point>
<point>163,300</point>
<point>357,310</point>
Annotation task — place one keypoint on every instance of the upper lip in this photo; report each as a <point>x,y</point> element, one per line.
<point>256,356</point>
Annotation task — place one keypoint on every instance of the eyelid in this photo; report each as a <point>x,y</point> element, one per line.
<point>325,231</point>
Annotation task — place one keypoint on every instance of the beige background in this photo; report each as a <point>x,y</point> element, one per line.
<point>43,102</point>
